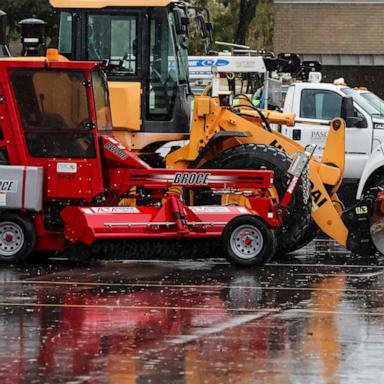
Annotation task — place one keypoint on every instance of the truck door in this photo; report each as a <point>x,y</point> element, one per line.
<point>317,107</point>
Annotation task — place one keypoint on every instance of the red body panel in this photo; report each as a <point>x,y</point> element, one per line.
<point>92,223</point>
<point>110,172</point>
<point>87,182</point>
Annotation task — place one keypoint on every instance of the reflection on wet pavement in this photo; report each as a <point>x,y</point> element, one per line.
<point>315,317</point>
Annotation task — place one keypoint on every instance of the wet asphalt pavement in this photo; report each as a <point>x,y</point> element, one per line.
<point>302,319</point>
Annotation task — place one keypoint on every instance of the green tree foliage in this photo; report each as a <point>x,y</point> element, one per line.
<point>260,34</point>
<point>229,15</point>
<point>241,21</point>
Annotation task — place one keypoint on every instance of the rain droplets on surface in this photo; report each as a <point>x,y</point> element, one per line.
<point>299,319</point>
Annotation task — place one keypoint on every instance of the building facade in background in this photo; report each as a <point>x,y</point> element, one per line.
<point>346,36</point>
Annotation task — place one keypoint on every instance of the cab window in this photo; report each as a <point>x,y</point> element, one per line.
<point>102,105</point>
<point>113,38</point>
<point>54,112</point>
<point>65,34</point>
<point>163,66</point>
<point>320,104</point>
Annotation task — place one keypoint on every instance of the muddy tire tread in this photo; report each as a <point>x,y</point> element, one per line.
<point>299,214</point>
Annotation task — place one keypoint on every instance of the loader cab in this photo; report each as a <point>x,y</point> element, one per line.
<point>147,65</point>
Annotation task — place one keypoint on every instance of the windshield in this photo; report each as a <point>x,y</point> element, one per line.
<point>54,112</point>
<point>51,99</point>
<point>361,101</point>
<point>113,38</point>
<point>374,100</point>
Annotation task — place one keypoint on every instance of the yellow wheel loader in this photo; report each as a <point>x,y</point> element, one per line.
<point>144,46</point>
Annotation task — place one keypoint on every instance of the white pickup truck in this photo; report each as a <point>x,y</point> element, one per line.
<point>315,104</point>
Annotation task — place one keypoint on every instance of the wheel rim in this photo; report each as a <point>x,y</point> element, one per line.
<point>11,239</point>
<point>247,242</point>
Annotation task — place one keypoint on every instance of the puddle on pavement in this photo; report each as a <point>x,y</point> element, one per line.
<point>302,319</point>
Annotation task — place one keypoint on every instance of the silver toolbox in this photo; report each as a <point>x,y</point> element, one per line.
<point>21,187</point>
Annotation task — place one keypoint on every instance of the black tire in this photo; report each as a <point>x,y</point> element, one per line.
<point>262,246</point>
<point>310,234</point>
<point>21,240</point>
<point>255,156</point>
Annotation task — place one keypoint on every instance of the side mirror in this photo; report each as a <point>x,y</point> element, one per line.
<point>205,28</point>
<point>184,41</point>
<point>360,121</point>
<point>347,111</point>
<point>181,21</point>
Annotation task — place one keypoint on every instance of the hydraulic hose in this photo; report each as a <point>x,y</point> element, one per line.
<point>251,106</point>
